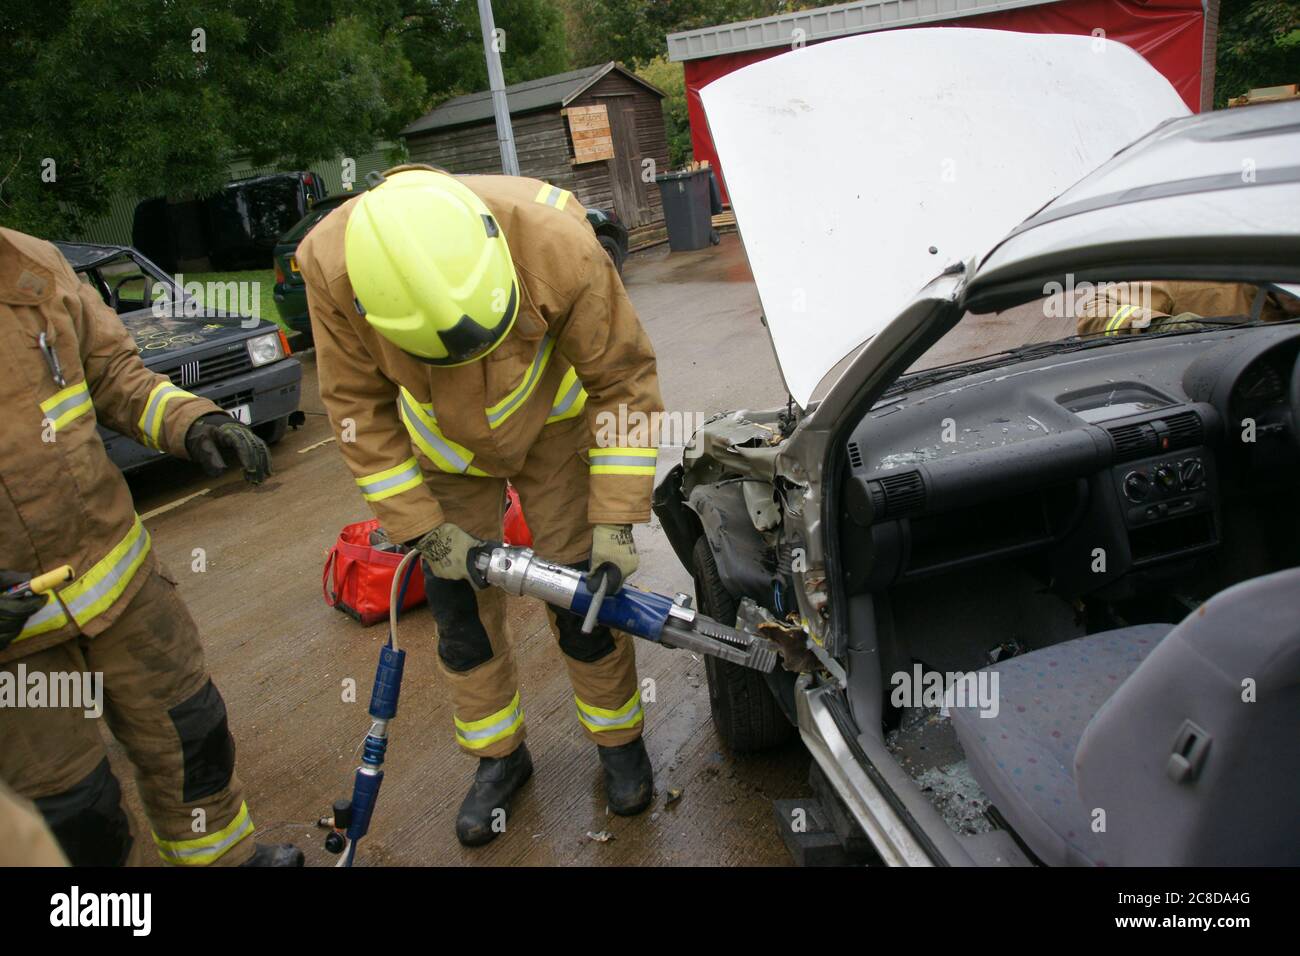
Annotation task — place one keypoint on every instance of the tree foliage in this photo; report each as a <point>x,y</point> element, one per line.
<point>671,78</point>
<point>1259,45</point>
<point>158,96</point>
<point>444,43</point>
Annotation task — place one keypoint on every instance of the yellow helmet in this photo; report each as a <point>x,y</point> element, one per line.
<point>430,268</point>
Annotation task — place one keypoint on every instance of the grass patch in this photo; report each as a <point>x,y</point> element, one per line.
<point>265,278</point>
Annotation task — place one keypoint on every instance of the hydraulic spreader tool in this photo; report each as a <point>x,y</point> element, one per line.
<point>671,622</point>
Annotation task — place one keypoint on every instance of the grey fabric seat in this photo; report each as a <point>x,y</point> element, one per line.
<point>1186,740</point>
<point>1023,758</point>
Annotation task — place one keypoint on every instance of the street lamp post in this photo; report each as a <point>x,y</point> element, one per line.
<point>497,83</point>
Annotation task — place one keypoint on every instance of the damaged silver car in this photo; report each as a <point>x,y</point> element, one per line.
<point>1031,553</point>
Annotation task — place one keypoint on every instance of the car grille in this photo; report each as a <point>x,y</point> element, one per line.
<point>209,369</point>
<point>239,398</point>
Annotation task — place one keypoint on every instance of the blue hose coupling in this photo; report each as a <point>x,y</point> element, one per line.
<point>365,794</point>
<point>388,683</point>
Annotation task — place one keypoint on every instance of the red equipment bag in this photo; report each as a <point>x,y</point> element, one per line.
<point>515,529</point>
<point>358,578</point>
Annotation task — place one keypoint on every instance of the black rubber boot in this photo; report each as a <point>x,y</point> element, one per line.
<point>495,783</point>
<point>629,779</point>
<point>275,854</point>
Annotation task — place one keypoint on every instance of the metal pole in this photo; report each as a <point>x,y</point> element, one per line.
<point>497,83</point>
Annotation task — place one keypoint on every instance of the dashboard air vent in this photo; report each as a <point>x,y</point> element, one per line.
<point>855,455</point>
<point>1185,430</point>
<point>896,495</point>
<point>1133,441</point>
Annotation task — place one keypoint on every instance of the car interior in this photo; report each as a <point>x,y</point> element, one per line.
<point>1114,531</point>
<point>121,283</point>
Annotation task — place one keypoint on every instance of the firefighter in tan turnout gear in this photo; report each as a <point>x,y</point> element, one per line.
<point>469,331</point>
<point>1129,308</point>
<point>69,366</point>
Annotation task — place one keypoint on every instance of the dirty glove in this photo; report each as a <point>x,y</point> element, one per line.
<point>1182,322</point>
<point>445,550</point>
<point>15,610</point>
<point>613,556</point>
<point>216,439</point>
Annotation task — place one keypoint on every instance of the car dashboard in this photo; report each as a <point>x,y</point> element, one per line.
<point>1100,462</point>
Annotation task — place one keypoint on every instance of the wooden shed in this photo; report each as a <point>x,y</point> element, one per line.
<point>589,131</point>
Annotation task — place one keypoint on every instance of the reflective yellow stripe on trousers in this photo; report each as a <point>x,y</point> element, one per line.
<point>599,719</point>
<point>93,592</point>
<point>207,849</point>
<point>477,734</point>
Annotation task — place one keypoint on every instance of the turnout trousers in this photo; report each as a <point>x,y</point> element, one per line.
<point>161,705</point>
<point>474,639</point>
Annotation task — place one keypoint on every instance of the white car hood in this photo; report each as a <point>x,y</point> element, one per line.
<point>860,168</point>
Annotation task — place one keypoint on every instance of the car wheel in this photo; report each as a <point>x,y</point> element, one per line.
<point>746,714</point>
<point>272,431</point>
<point>610,245</point>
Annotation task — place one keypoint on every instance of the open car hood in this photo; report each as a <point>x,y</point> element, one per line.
<point>861,168</point>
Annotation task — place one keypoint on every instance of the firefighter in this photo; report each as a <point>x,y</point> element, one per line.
<point>25,840</point>
<point>70,366</point>
<point>1127,308</point>
<point>469,331</point>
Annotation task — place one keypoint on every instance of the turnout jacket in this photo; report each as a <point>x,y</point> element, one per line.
<point>1132,307</point>
<point>576,349</point>
<point>64,501</point>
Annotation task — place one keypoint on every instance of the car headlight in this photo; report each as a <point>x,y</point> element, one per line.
<point>265,349</point>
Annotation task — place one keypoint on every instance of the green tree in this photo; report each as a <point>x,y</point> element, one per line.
<point>671,78</point>
<point>444,43</point>
<point>1259,45</point>
<point>156,97</point>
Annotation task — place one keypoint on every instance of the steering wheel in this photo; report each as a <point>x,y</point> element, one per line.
<point>115,298</point>
<point>1294,393</point>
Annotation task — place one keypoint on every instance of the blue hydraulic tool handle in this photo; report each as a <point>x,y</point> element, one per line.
<point>654,617</point>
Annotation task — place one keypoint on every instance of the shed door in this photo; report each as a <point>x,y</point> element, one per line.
<point>625,168</point>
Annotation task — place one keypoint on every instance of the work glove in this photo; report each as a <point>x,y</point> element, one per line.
<point>445,551</point>
<point>15,610</point>
<point>613,557</point>
<point>1182,322</point>
<point>214,440</point>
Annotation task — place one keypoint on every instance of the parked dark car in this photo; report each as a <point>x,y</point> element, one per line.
<point>241,363</point>
<point>291,291</point>
<point>236,228</point>
<point>611,233</point>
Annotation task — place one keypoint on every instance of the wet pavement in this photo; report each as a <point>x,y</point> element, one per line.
<point>284,660</point>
